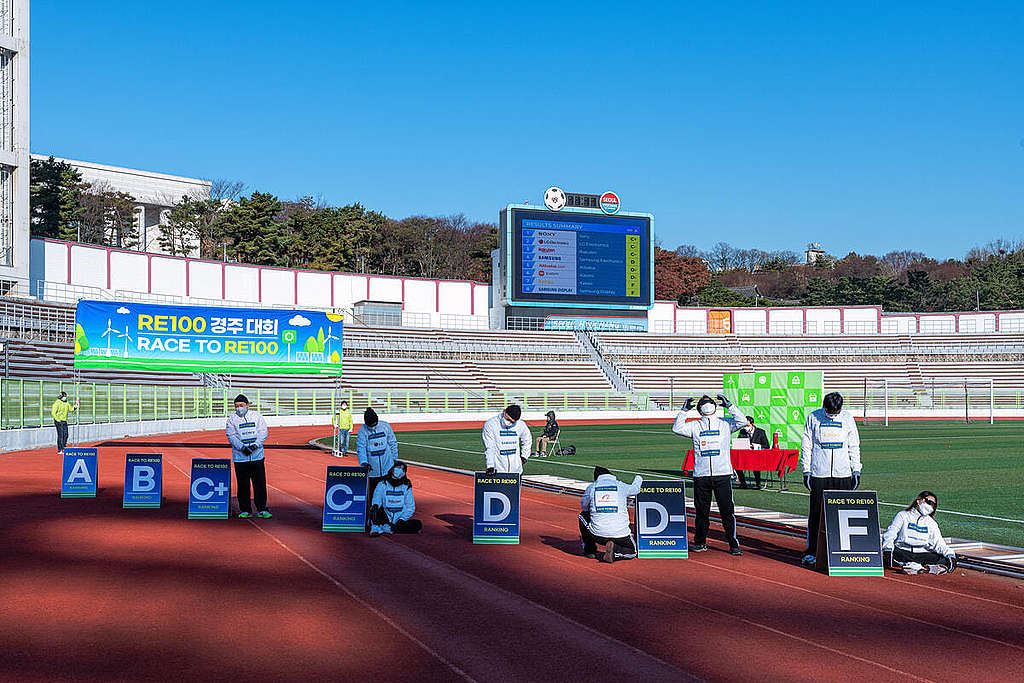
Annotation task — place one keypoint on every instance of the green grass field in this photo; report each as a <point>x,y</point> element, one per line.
<point>976,470</point>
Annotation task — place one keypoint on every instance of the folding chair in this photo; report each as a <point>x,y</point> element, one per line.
<point>554,446</point>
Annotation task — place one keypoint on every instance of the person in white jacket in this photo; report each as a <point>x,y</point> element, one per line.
<point>915,540</point>
<point>506,442</point>
<point>830,460</point>
<point>247,430</point>
<point>604,517</point>
<point>712,466</point>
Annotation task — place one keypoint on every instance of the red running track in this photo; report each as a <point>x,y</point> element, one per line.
<point>93,592</point>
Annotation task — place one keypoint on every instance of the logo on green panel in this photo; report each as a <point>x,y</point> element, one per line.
<point>731,380</point>
<point>289,336</point>
<point>780,397</point>
<point>795,415</point>
<point>812,397</point>
<point>762,380</point>
<point>746,398</point>
<point>761,415</point>
<point>796,380</point>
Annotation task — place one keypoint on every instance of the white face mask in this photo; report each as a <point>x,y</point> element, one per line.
<point>708,409</point>
<point>64,398</point>
<point>924,508</point>
<point>241,411</point>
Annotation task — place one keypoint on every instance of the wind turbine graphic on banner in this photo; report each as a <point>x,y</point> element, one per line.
<point>328,339</point>
<point>127,338</point>
<point>108,333</point>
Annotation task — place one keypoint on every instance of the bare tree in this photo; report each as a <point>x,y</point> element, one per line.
<point>687,251</point>
<point>721,256</point>
<point>895,262</point>
<point>223,190</point>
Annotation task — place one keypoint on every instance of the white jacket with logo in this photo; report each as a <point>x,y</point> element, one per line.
<point>831,445</point>
<point>712,437</point>
<point>504,446</point>
<point>915,532</point>
<point>605,499</point>
<point>250,430</point>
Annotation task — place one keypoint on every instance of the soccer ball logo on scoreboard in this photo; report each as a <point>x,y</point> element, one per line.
<point>554,199</point>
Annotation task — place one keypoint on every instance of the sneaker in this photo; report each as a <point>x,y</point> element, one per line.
<point>244,515</point>
<point>609,553</point>
<point>264,514</point>
<point>937,569</point>
<point>735,550</point>
<point>699,547</point>
<point>912,568</point>
<point>590,556</point>
<point>374,534</point>
<point>808,560</point>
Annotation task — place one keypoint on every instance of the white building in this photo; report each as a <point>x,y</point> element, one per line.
<point>14,156</point>
<point>154,193</point>
<point>813,253</point>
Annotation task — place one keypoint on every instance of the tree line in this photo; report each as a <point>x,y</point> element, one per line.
<point>262,229</point>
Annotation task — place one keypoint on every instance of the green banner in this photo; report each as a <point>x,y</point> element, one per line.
<point>778,401</point>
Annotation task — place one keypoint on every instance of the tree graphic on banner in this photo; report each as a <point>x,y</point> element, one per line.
<point>779,402</point>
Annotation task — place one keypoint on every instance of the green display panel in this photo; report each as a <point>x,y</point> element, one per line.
<point>778,401</point>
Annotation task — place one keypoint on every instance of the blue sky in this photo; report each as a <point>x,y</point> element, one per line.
<point>870,128</point>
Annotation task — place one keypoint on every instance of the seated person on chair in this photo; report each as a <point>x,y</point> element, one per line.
<point>604,517</point>
<point>915,540</point>
<point>392,507</point>
<point>549,436</point>
<point>758,437</point>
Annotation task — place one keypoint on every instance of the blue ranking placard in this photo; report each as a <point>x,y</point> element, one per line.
<point>209,495</point>
<point>496,508</point>
<point>78,478</point>
<point>661,519</point>
<point>143,480</point>
<point>345,499</point>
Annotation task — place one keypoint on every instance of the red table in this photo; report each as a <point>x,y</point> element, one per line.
<point>768,460</point>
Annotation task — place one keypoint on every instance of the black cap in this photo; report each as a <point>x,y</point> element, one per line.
<point>242,398</point>
<point>514,411</point>
<point>370,417</point>
<point>598,471</point>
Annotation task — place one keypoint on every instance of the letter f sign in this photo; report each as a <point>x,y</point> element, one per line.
<point>846,531</point>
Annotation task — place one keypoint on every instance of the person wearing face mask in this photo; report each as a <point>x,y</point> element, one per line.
<point>60,410</point>
<point>393,506</point>
<point>915,540</point>
<point>506,442</point>
<point>830,460</point>
<point>604,517</point>
<point>712,466</point>
<point>247,430</point>
<point>377,450</point>
<point>343,423</point>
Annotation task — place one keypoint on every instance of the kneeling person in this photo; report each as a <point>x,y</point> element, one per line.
<point>915,540</point>
<point>604,517</point>
<point>392,506</point>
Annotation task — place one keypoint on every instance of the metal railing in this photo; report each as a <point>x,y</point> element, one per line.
<point>27,402</point>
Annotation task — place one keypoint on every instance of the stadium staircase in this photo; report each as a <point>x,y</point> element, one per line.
<point>612,372</point>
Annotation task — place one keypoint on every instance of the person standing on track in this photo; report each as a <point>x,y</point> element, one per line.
<point>343,423</point>
<point>604,517</point>
<point>915,540</point>
<point>247,431</point>
<point>377,450</point>
<point>506,442</point>
<point>712,466</point>
<point>60,411</point>
<point>393,505</point>
<point>830,460</point>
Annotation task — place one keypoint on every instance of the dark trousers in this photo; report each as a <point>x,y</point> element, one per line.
<point>902,556</point>
<point>743,481</point>
<point>251,472</point>
<point>371,486</point>
<point>818,487</point>
<point>625,548</point>
<point>407,526</point>
<point>721,487</point>
<point>62,434</point>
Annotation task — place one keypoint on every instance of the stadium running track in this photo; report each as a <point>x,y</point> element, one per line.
<point>93,592</point>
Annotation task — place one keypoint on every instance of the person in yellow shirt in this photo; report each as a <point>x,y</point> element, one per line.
<point>60,411</point>
<point>343,424</point>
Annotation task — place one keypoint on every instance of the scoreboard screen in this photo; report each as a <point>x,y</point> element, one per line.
<point>579,258</point>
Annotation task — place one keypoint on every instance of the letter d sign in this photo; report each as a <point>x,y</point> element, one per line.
<point>492,497</point>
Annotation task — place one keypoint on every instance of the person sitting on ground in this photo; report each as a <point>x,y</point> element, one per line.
<point>550,434</point>
<point>915,540</point>
<point>393,505</point>
<point>604,517</point>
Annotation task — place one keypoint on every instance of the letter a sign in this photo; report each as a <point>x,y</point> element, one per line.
<point>496,508</point>
<point>79,473</point>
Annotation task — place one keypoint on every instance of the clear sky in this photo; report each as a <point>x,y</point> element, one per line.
<point>870,128</point>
